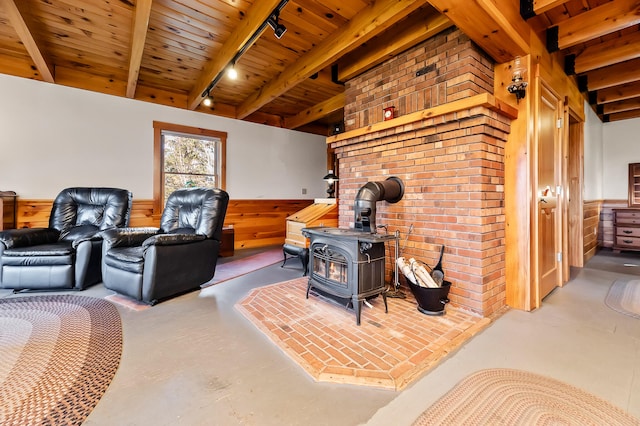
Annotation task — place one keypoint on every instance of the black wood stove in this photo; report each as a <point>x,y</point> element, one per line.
<point>347,264</point>
<point>350,263</point>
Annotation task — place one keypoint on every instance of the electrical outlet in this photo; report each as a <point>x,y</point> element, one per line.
<point>304,191</point>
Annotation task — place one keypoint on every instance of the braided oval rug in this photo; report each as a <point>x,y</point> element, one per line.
<point>624,297</point>
<point>58,355</point>
<point>514,397</point>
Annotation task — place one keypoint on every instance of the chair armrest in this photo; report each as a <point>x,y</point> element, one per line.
<point>79,234</point>
<point>127,237</point>
<point>25,237</point>
<point>172,239</point>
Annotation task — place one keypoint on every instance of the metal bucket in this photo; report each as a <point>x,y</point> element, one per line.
<point>431,301</point>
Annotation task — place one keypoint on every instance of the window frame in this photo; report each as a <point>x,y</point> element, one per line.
<point>158,157</point>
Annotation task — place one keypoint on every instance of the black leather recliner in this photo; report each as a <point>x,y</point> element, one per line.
<point>67,254</point>
<point>151,264</point>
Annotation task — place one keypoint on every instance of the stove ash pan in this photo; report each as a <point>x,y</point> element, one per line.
<point>349,265</point>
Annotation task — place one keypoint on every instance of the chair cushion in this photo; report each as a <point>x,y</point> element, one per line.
<point>80,232</point>
<point>45,254</point>
<point>101,207</point>
<point>126,258</point>
<point>201,209</point>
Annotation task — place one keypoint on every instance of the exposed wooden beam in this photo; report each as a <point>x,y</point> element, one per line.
<point>45,67</point>
<point>614,75</point>
<point>621,106</point>
<point>618,93</point>
<point>315,112</point>
<point>599,21</point>
<point>255,17</point>
<point>541,6</point>
<point>624,115</point>
<point>315,128</point>
<point>608,53</point>
<point>416,29</point>
<point>264,118</point>
<point>370,22</point>
<point>499,31</point>
<point>138,39</point>
<point>82,79</point>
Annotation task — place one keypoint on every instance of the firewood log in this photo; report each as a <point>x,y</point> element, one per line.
<point>405,269</point>
<point>424,278</point>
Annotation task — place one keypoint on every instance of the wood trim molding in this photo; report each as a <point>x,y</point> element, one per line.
<point>482,100</point>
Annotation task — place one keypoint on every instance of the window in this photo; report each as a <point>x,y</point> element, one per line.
<point>186,157</point>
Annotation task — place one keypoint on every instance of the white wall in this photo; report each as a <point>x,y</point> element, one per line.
<point>593,151</point>
<point>53,137</point>
<point>621,142</point>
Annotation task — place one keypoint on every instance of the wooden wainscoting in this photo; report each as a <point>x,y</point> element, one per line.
<point>256,223</point>
<point>35,213</point>
<point>259,223</point>
<point>591,228</point>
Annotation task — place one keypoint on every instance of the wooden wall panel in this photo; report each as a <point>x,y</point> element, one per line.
<point>259,223</point>
<point>591,228</point>
<point>256,223</point>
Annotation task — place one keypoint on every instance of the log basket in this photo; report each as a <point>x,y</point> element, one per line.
<point>431,301</point>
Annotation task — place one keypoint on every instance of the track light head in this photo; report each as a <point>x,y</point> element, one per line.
<point>208,100</point>
<point>232,73</point>
<point>278,28</point>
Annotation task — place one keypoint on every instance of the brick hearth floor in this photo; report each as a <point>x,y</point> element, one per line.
<point>386,350</point>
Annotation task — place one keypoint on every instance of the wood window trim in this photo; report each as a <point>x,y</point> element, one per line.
<point>158,157</point>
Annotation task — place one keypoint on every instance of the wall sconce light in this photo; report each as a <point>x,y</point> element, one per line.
<point>278,28</point>
<point>518,86</point>
<point>331,179</point>
<point>208,100</point>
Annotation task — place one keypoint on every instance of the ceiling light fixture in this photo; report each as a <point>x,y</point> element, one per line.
<point>231,72</point>
<point>208,99</point>
<point>278,28</point>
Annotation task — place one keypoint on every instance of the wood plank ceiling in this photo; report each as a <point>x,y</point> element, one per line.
<point>170,51</point>
<point>600,43</point>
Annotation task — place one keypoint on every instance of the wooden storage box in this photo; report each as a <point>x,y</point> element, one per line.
<point>228,242</point>
<point>8,210</point>
<point>321,213</point>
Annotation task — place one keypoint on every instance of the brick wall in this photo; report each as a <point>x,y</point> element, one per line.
<point>456,68</point>
<point>452,167</point>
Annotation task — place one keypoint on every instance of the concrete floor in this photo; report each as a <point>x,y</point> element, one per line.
<point>194,360</point>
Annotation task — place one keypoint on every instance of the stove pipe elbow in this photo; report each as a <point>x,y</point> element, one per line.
<point>390,190</point>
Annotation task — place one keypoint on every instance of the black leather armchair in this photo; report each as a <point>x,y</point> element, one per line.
<point>67,254</point>
<point>151,264</point>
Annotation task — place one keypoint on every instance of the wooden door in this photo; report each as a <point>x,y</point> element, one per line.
<point>549,156</point>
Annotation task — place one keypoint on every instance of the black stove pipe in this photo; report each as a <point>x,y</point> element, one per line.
<point>390,190</point>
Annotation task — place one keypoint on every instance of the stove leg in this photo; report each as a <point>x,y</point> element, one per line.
<point>386,308</point>
<point>357,306</point>
<point>308,288</point>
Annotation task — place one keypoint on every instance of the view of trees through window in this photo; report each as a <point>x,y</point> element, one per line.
<point>190,161</point>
